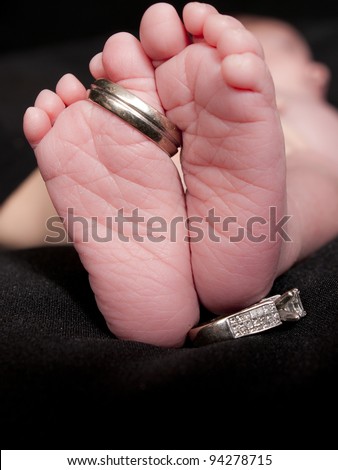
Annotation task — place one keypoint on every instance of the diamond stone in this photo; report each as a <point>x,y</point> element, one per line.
<point>259,317</point>
<point>290,306</point>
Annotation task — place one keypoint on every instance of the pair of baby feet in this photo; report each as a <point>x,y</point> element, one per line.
<point>207,74</point>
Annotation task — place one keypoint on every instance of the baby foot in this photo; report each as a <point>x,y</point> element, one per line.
<point>217,89</point>
<point>97,167</point>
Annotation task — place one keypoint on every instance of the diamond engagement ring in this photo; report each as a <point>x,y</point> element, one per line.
<point>268,313</point>
<point>137,113</point>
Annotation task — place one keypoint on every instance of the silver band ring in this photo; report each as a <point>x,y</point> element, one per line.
<point>268,313</point>
<point>146,119</point>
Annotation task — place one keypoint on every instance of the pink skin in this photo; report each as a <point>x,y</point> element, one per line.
<point>310,131</point>
<point>95,163</point>
<point>232,158</point>
<point>233,148</point>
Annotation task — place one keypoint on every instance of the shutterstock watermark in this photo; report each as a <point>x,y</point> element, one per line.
<point>156,229</point>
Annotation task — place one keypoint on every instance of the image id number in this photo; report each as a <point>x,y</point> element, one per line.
<point>241,459</point>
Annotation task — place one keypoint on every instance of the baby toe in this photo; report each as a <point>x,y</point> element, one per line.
<point>162,32</point>
<point>195,15</point>
<point>96,66</point>
<point>36,124</point>
<point>50,103</point>
<point>248,72</point>
<point>70,89</point>
<point>238,41</point>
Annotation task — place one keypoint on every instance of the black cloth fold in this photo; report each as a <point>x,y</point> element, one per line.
<point>64,373</point>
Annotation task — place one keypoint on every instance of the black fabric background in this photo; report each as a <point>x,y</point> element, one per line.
<point>66,382</point>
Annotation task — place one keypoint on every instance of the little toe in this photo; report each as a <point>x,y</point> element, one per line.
<point>36,124</point>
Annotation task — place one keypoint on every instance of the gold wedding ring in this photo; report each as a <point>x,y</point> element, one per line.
<point>146,119</point>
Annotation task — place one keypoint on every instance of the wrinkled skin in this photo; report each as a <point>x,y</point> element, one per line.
<point>218,90</point>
